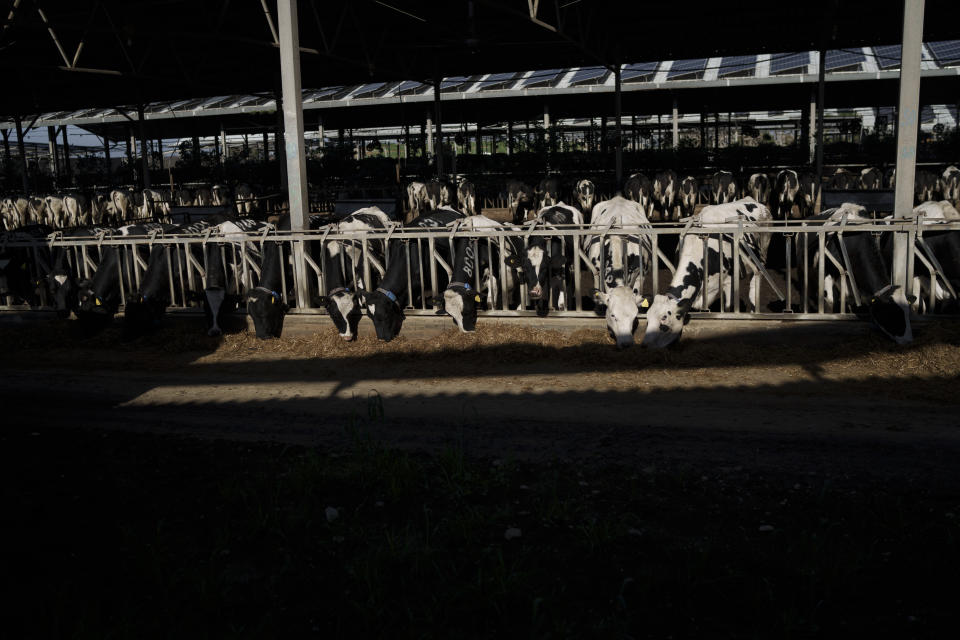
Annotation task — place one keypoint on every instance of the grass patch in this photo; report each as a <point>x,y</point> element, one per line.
<point>122,535</point>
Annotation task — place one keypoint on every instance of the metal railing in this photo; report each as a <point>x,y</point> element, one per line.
<point>793,278</point>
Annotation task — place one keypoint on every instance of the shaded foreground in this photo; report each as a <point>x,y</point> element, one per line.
<point>112,534</point>
<point>781,483</point>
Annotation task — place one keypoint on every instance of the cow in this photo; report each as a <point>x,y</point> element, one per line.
<point>77,209</point>
<point>56,213</point>
<point>384,306</point>
<point>548,193</point>
<point>145,309</point>
<point>244,199</point>
<point>18,268</point>
<point>21,211</point>
<point>101,210</point>
<point>618,261</point>
<point>639,189</point>
<point>807,194</point>
<point>950,185</point>
<point>689,189</point>
<point>220,292</point>
<point>61,282</point>
<point>467,197</point>
<point>723,187</point>
<point>156,204</point>
<point>98,299</point>
<point>416,198</point>
<point>925,187</point>
<point>520,199</point>
<point>785,191</point>
<point>202,197</point>
<point>666,184</point>
<point>439,194</point>
<point>870,179</point>
<point>221,195</point>
<point>265,303</point>
<point>476,273</point>
<point>869,267</point>
<point>123,204</point>
<point>843,180</point>
<point>933,210</point>
<point>669,312</point>
<point>341,258</point>
<point>944,245</point>
<point>183,197</point>
<point>548,258</point>
<point>890,178</point>
<point>758,188</point>
<point>584,197</point>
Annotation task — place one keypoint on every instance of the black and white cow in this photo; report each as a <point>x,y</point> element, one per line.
<point>476,272</point>
<point>666,185</point>
<point>925,186</point>
<point>758,188</point>
<point>385,304</point>
<point>584,198</point>
<point>723,187</point>
<point>548,193</point>
<point>945,246</point>
<point>520,200</point>
<point>785,191</point>
<point>416,198</point>
<point>639,188</point>
<point>618,260</point>
<point>19,273</point>
<point>950,185</point>
<point>548,258</point>
<point>342,268</point>
<point>689,190</point>
<point>870,179</point>
<point>202,196</point>
<point>220,293</point>
<point>265,304</point>
<point>244,200</point>
<point>669,312</point>
<point>61,282</point>
<point>221,195</point>
<point>886,305</point>
<point>56,213</point>
<point>145,309</point>
<point>440,194</point>
<point>843,180</point>
<point>467,197</point>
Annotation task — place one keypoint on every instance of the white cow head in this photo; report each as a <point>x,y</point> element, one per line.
<point>666,318</point>
<point>621,306</point>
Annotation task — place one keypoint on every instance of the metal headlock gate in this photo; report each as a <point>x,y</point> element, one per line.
<point>793,274</point>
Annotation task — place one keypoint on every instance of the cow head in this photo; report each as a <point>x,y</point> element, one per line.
<point>64,290</point>
<point>586,193</point>
<point>666,318</point>
<point>890,310</point>
<point>216,305</point>
<point>621,306</point>
<point>537,266</point>
<point>461,303</point>
<point>94,313</point>
<point>383,307</point>
<point>267,309</point>
<point>344,309</point>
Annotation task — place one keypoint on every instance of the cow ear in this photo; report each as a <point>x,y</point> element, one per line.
<point>514,262</point>
<point>600,298</point>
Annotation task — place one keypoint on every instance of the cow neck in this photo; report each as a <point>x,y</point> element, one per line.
<point>688,279</point>
<point>464,263</point>
<point>216,278</point>
<point>271,276</point>
<point>332,274</point>
<point>866,261</point>
<point>395,279</point>
<point>154,277</point>
<point>106,278</point>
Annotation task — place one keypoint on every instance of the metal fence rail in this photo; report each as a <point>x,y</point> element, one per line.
<point>793,278</point>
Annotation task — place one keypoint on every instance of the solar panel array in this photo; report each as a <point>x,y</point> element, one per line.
<point>537,78</point>
<point>796,62</point>
<point>497,81</point>
<point>592,75</point>
<point>732,65</point>
<point>947,52</point>
<point>686,67</point>
<point>367,90</point>
<point>843,58</point>
<point>639,71</point>
<point>453,82</point>
<point>887,56</point>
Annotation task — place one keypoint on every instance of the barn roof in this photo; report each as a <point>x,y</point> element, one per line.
<point>128,52</point>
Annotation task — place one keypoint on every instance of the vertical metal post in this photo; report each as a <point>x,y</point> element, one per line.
<point>438,151</point>
<point>223,144</point>
<point>821,69</point>
<point>6,145</point>
<point>293,136</point>
<point>106,156</point>
<point>266,147</point>
<point>908,112</point>
<point>546,134</point>
<point>812,128</point>
<point>67,169</point>
<point>23,155</point>
<point>320,135</point>
<point>618,130</point>
<point>54,157</point>
<point>509,137</point>
<point>676,125</point>
<point>144,152</point>
<point>429,131</point>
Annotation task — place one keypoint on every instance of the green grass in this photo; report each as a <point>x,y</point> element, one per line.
<point>126,535</point>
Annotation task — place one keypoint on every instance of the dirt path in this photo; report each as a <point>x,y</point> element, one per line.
<point>813,404</point>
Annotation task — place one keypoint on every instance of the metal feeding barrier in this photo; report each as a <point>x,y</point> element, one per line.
<point>789,259</point>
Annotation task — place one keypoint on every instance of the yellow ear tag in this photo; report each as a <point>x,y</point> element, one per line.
<point>477,298</point>
<point>273,299</point>
<point>97,302</point>
<point>873,300</point>
<point>644,303</point>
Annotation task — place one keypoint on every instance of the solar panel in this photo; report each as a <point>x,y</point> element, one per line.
<point>367,89</point>
<point>887,56</point>
<point>947,52</point>
<point>453,82</point>
<point>328,92</point>
<point>410,86</point>
<point>545,77</point>
<point>927,114</point>
<point>638,71</point>
<point>796,62</point>
<point>731,65</point>
<point>589,74</point>
<point>842,58</point>
<point>686,67</point>
<point>497,81</point>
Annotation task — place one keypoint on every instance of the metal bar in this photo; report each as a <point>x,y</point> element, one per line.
<point>364,254</point>
<point>423,286</point>
<point>806,269</point>
<point>706,270</point>
<point>788,270</point>
<point>655,259</point>
<point>504,300</point>
<point>432,246</point>
<point>821,263</point>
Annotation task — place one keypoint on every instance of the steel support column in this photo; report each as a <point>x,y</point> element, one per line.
<point>429,130</point>
<point>67,168</point>
<point>812,128</point>
<point>439,124</point>
<point>23,155</point>
<point>223,144</point>
<point>54,156</point>
<point>320,134</point>
<point>296,164</point>
<point>618,133</point>
<point>106,156</point>
<point>821,70</point>
<point>6,145</point>
<point>144,152</point>
<point>676,125</point>
<point>908,116</point>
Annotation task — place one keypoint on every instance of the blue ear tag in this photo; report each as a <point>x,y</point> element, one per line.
<point>390,295</point>
<point>466,285</point>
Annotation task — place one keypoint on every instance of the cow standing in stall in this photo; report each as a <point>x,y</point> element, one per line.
<point>870,179</point>
<point>584,198</point>
<point>548,260</point>
<point>639,188</point>
<point>689,189</point>
<point>520,199</point>
<point>758,188</point>
<point>467,197</point>
<point>548,193</point>
<point>723,187</point>
<point>666,185</point>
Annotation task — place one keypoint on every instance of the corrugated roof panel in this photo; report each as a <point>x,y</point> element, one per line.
<point>367,90</point>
